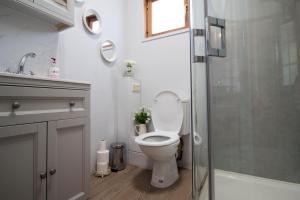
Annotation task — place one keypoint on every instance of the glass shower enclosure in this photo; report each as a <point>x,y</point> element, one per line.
<point>246,99</point>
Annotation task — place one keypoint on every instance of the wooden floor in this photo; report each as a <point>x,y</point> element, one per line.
<point>133,183</point>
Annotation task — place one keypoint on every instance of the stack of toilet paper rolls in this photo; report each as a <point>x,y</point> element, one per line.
<point>102,159</point>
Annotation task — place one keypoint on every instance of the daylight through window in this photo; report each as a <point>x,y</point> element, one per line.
<point>163,16</point>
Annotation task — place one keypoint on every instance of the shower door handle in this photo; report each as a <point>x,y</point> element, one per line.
<point>196,33</point>
<point>220,36</point>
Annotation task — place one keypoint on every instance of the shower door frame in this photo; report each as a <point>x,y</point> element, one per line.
<point>205,60</point>
<point>211,174</point>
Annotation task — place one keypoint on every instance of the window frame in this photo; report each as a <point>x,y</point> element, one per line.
<point>148,19</point>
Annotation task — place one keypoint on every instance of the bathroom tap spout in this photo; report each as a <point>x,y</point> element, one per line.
<point>23,62</point>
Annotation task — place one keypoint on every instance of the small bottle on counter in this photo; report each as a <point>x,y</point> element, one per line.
<point>53,69</point>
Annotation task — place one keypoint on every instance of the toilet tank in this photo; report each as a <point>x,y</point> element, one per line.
<point>186,124</point>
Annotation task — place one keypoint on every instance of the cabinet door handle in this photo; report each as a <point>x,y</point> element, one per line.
<point>43,175</point>
<point>72,104</point>
<point>15,105</point>
<point>52,171</point>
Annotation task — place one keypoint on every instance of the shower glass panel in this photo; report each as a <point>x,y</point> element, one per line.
<point>255,100</point>
<point>199,104</point>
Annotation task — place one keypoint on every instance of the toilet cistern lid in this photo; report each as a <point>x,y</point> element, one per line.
<point>167,112</point>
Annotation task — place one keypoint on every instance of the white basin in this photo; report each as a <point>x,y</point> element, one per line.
<point>37,77</point>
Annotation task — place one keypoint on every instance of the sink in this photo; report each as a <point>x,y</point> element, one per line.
<point>36,77</point>
<point>13,74</point>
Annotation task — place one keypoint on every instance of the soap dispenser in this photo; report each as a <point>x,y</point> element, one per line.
<point>53,69</point>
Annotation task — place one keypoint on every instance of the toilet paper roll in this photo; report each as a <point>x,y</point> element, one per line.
<point>102,167</point>
<point>103,156</point>
<point>102,145</point>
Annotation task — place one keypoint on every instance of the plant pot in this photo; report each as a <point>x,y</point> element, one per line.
<point>128,74</point>
<point>140,129</point>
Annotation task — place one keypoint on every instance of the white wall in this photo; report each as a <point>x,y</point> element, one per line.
<point>20,34</point>
<point>162,64</point>
<point>78,56</point>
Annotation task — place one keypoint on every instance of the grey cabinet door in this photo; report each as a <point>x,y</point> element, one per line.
<point>22,160</point>
<point>68,157</point>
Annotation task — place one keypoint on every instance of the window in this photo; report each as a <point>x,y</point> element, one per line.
<point>163,16</point>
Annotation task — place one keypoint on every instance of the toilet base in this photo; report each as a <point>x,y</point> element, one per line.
<point>164,173</point>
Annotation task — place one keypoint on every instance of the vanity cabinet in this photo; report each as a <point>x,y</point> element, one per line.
<point>59,13</point>
<point>44,139</point>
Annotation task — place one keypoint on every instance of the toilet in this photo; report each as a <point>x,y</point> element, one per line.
<point>161,145</point>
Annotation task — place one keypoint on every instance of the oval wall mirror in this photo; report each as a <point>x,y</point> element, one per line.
<point>92,21</point>
<point>108,51</point>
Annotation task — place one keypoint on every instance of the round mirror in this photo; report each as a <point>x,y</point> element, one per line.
<point>92,21</point>
<point>108,51</point>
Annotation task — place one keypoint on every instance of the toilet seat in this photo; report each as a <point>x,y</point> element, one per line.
<point>157,138</point>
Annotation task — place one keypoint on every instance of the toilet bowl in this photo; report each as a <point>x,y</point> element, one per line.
<point>161,145</point>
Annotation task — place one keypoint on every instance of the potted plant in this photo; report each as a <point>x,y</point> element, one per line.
<point>129,64</point>
<point>141,118</point>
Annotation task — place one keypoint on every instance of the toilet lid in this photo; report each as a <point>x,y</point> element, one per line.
<point>167,112</point>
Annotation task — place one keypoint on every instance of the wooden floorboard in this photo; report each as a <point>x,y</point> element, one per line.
<point>133,183</point>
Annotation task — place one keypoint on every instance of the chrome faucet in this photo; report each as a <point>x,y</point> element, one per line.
<point>23,61</point>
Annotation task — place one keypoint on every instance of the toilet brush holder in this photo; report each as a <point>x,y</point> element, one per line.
<point>118,159</point>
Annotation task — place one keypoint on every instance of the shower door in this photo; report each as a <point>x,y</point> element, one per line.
<point>201,162</point>
<point>253,98</point>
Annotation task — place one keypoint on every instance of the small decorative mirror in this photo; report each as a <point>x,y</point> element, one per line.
<point>108,51</point>
<point>92,21</point>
